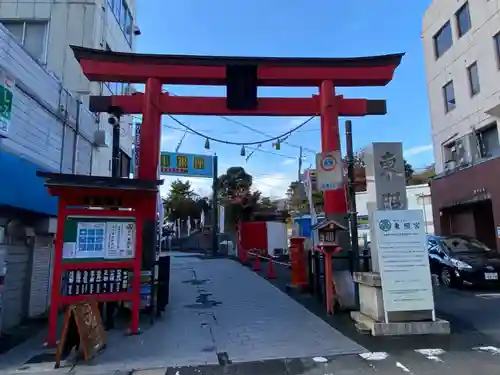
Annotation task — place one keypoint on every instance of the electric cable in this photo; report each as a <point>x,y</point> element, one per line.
<point>254,129</point>
<point>242,143</point>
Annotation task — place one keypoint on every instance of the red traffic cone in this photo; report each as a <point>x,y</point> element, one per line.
<point>256,263</point>
<point>271,275</point>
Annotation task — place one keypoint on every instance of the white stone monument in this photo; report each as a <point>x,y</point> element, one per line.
<point>396,297</point>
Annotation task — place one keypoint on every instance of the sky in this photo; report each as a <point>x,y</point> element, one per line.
<point>292,28</point>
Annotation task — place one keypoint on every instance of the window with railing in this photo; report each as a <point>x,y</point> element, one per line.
<point>487,141</point>
<point>472,148</point>
<point>124,18</point>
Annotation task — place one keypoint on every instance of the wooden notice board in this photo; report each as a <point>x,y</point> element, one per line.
<point>82,329</point>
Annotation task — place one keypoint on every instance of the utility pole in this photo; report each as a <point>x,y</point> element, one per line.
<point>300,164</point>
<point>114,121</point>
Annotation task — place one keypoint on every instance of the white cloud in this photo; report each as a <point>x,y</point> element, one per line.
<point>296,122</point>
<point>417,150</point>
<point>273,185</point>
<point>170,140</point>
<point>288,161</point>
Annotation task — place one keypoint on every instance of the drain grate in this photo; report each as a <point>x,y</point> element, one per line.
<point>41,358</point>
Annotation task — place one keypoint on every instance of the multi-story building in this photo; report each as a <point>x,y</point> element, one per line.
<point>44,125</point>
<point>46,29</point>
<point>462,58</point>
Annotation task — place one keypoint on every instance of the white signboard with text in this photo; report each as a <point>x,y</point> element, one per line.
<point>329,171</point>
<point>403,260</point>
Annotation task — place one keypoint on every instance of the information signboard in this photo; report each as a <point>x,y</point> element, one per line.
<point>6,99</point>
<point>192,165</point>
<point>329,170</point>
<point>100,281</point>
<point>403,260</point>
<point>99,238</point>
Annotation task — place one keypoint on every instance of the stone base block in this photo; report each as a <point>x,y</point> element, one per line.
<point>377,328</point>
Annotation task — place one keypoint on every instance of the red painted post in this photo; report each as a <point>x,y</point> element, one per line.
<point>136,281</point>
<point>56,274</point>
<point>149,157</point>
<point>299,272</point>
<point>149,153</point>
<point>335,200</point>
<point>329,295</point>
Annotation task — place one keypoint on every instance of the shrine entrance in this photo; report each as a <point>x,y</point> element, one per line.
<point>242,76</point>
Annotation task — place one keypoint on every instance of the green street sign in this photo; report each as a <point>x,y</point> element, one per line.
<point>6,98</point>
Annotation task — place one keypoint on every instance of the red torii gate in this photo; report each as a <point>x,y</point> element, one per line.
<point>241,76</point>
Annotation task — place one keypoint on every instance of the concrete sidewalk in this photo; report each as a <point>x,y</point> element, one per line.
<point>220,312</point>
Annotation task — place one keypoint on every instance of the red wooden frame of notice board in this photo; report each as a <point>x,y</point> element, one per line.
<point>79,197</point>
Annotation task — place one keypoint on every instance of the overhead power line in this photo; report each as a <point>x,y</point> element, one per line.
<point>277,138</point>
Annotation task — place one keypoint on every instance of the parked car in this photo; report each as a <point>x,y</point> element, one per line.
<point>458,259</point>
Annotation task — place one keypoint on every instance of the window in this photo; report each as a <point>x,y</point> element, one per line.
<point>450,152</point>
<point>123,17</point>
<point>488,143</point>
<point>496,39</point>
<point>443,40</point>
<point>463,20</point>
<point>449,97</point>
<point>473,76</point>
<point>128,27</point>
<point>31,34</point>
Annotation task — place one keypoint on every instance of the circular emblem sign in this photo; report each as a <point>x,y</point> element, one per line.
<point>385,225</point>
<point>328,163</point>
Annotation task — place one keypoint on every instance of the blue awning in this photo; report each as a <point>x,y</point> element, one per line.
<point>21,188</point>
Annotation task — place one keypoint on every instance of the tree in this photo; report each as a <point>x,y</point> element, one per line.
<point>408,171</point>
<point>236,182</point>
<point>234,190</point>
<point>182,202</point>
<point>360,171</point>
<point>423,177</point>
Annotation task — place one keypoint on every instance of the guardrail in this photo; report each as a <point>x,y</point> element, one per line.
<point>257,257</point>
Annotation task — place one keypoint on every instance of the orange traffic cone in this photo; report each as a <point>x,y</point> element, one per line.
<point>271,275</point>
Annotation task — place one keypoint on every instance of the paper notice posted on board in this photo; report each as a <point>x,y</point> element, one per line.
<point>69,249</point>
<point>120,240</point>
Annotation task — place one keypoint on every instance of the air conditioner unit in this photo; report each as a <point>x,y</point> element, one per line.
<point>450,165</point>
<point>463,151</point>
<point>102,138</point>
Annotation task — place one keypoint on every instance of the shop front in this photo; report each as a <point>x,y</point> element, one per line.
<point>467,201</point>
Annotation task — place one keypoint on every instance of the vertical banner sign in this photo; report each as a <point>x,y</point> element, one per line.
<point>6,98</point>
<point>329,170</point>
<point>137,146</point>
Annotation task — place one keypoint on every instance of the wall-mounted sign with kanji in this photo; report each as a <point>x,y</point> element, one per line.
<point>79,282</point>
<point>6,99</point>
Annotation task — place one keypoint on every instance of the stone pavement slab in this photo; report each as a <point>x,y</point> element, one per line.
<point>222,312</point>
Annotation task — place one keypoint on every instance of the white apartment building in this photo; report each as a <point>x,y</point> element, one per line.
<point>47,28</point>
<point>461,41</point>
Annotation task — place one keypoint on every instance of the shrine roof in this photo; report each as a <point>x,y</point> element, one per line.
<point>64,180</point>
<point>83,53</point>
